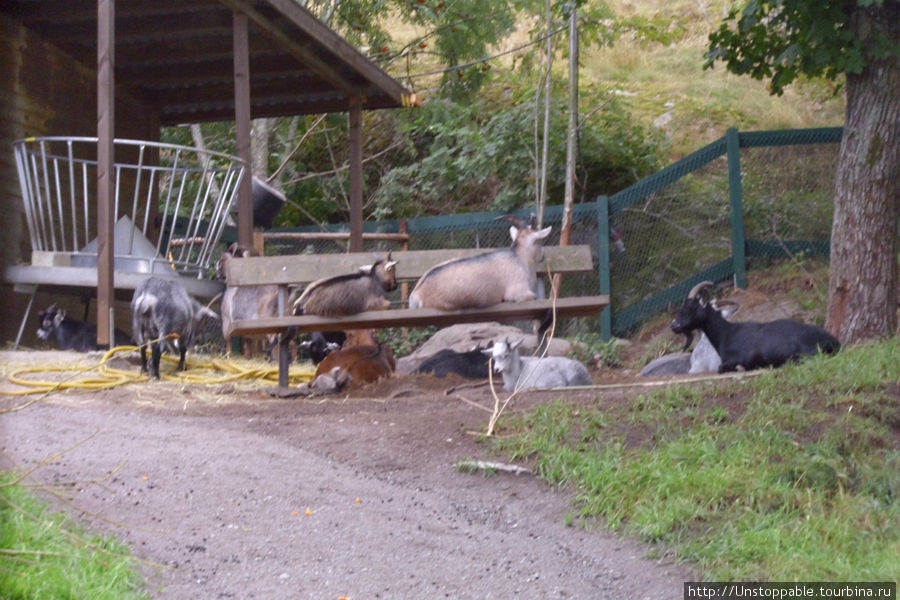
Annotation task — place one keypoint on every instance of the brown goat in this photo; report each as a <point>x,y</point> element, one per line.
<point>349,294</point>
<point>364,364</point>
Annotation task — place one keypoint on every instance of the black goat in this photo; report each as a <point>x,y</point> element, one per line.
<point>472,364</point>
<point>321,344</point>
<point>750,345</point>
<point>72,334</point>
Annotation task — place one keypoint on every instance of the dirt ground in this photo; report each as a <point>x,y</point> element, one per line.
<point>227,492</point>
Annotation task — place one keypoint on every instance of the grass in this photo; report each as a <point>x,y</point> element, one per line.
<point>668,79</point>
<point>44,555</point>
<point>790,475</point>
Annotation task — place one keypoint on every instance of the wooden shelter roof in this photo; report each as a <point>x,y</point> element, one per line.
<point>178,56</point>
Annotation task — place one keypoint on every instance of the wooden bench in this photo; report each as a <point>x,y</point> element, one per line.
<point>297,271</point>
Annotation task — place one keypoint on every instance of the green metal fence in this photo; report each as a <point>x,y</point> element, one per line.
<point>746,198</point>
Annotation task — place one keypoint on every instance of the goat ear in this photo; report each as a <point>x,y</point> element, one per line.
<point>58,317</point>
<point>513,232</point>
<point>516,344</point>
<point>367,269</point>
<point>543,232</point>
<point>727,307</point>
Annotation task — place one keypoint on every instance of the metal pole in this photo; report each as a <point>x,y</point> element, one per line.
<point>738,236</point>
<point>603,264</point>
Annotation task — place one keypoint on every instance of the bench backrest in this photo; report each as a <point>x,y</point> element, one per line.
<point>301,269</point>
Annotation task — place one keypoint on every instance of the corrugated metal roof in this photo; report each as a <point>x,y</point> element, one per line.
<point>177,56</point>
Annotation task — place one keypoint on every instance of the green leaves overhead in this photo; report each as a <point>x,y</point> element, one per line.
<point>782,39</point>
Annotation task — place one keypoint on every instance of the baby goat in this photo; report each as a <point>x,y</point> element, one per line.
<point>534,372</point>
<point>472,364</point>
<point>750,345</point>
<point>72,334</point>
<point>160,308</point>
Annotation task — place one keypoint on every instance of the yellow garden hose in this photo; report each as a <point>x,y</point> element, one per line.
<point>200,372</point>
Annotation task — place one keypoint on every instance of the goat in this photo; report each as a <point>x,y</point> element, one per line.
<point>162,308</point>
<point>750,345</point>
<point>502,275</point>
<point>72,334</point>
<point>250,302</point>
<point>704,358</point>
<point>534,372</point>
<point>350,294</point>
<point>363,364</point>
<point>321,343</point>
<point>472,364</point>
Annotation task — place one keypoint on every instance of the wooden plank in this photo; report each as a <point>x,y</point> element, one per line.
<point>275,270</point>
<point>86,277</point>
<point>580,306</point>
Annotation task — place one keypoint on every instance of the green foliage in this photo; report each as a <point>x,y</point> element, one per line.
<point>46,556</point>
<point>589,348</point>
<point>791,475</point>
<point>782,40</point>
<point>474,156</point>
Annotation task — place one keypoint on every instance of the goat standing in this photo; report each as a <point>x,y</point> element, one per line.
<point>250,302</point>
<point>162,308</point>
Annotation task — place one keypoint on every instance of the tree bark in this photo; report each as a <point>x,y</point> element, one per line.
<point>863,283</point>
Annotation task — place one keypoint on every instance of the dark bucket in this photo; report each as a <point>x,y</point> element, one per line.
<point>267,201</point>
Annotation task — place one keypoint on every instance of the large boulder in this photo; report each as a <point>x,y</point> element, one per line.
<point>464,337</point>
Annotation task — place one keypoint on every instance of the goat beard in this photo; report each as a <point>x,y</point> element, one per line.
<point>688,340</point>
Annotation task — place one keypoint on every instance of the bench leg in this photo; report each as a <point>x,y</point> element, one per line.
<point>284,360</point>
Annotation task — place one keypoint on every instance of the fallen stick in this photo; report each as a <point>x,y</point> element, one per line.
<point>482,465</point>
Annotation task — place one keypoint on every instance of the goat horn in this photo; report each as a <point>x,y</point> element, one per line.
<point>699,288</point>
<point>515,220</point>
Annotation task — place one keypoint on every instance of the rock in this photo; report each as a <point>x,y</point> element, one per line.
<point>465,336</point>
<point>670,364</point>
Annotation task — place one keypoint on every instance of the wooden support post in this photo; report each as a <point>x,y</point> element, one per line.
<point>241,49</point>
<point>106,23</point>
<point>356,211</point>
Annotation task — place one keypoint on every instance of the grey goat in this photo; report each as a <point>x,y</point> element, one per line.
<point>162,308</point>
<point>534,372</point>
<point>502,275</point>
<point>350,294</point>
<point>245,302</point>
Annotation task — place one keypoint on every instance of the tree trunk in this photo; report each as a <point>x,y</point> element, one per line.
<point>862,295</point>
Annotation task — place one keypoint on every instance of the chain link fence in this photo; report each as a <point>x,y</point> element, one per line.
<point>766,195</point>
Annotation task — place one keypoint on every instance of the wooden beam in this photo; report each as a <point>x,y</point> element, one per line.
<point>106,20</point>
<point>579,306</point>
<point>291,269</point>
<point>242,126</point>
<point>356,192</point>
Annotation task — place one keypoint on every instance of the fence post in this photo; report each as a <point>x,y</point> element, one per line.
<point>603,263</point>
<point>736,193</point>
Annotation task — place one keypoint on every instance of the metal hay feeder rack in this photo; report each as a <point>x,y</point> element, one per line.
<point>170,208</point>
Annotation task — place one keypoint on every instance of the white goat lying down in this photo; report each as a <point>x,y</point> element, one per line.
<point>534,372</point>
